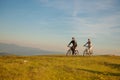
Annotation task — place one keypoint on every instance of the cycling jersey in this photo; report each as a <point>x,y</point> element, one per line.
<point>73,42</point>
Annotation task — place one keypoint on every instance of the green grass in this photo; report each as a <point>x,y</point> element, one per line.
<point>59,68</point>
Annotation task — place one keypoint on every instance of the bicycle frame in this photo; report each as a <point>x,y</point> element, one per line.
<point>69,52</point>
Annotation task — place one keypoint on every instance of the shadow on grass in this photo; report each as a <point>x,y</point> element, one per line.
<point>111,65</point>
<point>98,72</point>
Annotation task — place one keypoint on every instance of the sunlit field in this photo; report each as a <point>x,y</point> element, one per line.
<point>59,67</point>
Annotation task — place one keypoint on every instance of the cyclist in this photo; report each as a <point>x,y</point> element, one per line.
<point>74,45</point>
<point>89,45</point>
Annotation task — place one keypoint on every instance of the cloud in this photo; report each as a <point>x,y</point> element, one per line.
<point>98,19</point>
<point>96,25</point>
<point>75,7</point>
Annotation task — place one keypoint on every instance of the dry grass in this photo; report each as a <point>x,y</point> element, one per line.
<point>59,68</point>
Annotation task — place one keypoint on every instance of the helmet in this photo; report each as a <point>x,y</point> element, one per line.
<point>73,38</point>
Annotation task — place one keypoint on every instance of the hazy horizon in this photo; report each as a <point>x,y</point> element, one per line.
<point>50,24</point>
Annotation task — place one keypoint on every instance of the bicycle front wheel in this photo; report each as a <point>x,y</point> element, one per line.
<point>68,52</point>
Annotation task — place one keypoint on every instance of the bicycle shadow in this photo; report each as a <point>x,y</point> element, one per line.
<point>98,72</point>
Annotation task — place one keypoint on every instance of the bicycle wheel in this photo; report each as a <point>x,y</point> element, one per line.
<point>91,52</point>
<point>76,52</point>
<point>68,52</point>
<point>85,53</point>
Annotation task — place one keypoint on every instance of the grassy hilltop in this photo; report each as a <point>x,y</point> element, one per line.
<point>59,68</point>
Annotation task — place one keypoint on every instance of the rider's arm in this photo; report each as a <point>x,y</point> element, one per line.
<point>85,44</point>
<point>69,43</point>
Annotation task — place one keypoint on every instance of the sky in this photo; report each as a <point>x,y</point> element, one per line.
<point>50,24</point>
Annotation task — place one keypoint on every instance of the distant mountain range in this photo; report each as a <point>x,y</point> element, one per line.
<point>7,49</point>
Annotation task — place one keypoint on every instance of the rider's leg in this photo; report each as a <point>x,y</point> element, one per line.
<point>72,50</point>
<point>74,47</point>
<point>89,50</point>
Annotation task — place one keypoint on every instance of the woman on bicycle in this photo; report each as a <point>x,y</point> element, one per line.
<point>74,45</point>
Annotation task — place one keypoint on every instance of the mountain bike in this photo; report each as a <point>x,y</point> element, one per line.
<point>69,52</point>
<point>87,51</point>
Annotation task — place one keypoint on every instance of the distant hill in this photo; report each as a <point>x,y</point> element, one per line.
<point>4,53</point>
<point>21,50</point>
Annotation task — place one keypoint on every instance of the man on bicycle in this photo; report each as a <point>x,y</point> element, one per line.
<point>89,45</point>
<point>74,45</point>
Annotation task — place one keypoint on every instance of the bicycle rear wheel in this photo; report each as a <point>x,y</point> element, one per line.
<point>76,52</point>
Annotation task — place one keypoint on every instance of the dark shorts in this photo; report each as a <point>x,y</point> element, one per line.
<point>73,47</point>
